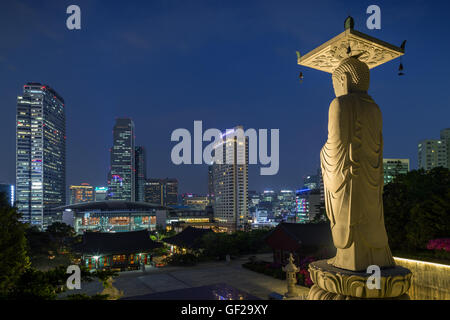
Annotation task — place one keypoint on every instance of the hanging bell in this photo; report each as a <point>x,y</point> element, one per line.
<point>300,76</point>
<point>400,69</point>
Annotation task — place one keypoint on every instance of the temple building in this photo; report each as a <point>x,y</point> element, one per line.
<point>187,241</point>
<point>118,251</point>
<point>301,240</point>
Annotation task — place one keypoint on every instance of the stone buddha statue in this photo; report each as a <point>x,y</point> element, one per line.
<point>352,169</point>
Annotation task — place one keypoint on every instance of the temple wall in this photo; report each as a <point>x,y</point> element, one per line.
<point>430,281</point>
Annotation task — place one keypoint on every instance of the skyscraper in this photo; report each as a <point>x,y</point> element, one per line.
<point>9,191</point>
<point>210,184</point>
<point>81,193</point>
<point>40,153</point>
<point>394,167</point>
<point>170,192</point>
<point>432,153</point>
<point>141,172</point>
<point>231,182</point>
<point>121,182</point>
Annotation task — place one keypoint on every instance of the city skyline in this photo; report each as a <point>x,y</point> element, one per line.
<point>262,84</point>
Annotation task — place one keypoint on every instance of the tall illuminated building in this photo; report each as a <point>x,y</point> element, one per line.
<point>9,191</point>
<point>40,153</point>
<point>394,167</point>
<point>308,205</point>
<point>141,172</point>
<point>121,182</point>
<point>231,208</point>
<point>82,193</point>
<point>432,153</point>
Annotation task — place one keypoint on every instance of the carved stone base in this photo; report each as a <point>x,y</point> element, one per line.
<point>315,293</point>
<point>331,283</point>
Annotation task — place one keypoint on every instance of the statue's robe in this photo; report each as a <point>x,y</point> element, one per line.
<point>352,169</point>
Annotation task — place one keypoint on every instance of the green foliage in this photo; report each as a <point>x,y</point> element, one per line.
<point>104,275</point>
<point>417,208</point>
<point>34,285</point>
<point>187,259</point>
<point>161,251</point>
<point>13,255</point>
<point>161,233</point>
<point>60,230</point>
<point>238,243</point>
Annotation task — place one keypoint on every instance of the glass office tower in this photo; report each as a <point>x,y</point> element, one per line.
<point>141,173</point>
<point>40,153</point>
<point>121,183</point>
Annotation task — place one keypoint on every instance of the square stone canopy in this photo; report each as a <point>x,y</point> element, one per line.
<point>370,50</point>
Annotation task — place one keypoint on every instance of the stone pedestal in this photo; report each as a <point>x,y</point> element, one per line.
<point>331,283</point>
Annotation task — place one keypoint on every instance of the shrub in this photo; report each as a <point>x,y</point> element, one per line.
<point>187,259</point>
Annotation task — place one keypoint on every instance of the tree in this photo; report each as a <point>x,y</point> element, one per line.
<point>416,208</point>
<point>59,232</point>
<point>13,256</point>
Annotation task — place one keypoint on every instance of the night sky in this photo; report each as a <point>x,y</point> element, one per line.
<point>227,63</point>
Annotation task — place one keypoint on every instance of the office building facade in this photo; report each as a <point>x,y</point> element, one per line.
<point>445,137</point>
<point>9,191</point>
<point>100,193</point>
<point>121,181</point>
<point>394,167</point>
<point>82,193</point>
<point>432,154</point>
<point>40,153</point>
<point>141,172</point>
<point>163,192</point>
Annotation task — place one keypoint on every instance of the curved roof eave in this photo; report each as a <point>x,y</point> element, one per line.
<point>113,204</point>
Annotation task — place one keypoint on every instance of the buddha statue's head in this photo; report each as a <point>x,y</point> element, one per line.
<point>351,76</point>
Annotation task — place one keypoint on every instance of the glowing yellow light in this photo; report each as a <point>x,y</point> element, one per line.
<point>424,262</point>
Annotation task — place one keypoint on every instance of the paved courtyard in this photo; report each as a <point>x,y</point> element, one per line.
<point>154,280</point>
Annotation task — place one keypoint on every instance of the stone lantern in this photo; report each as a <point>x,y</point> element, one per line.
<point>291,277</point>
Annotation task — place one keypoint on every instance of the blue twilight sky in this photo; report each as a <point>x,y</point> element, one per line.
<point>167,63</point>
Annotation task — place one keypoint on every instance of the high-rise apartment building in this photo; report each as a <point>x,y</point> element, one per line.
<point>40,153</point>
<point>230,176</point>
<point>445,137</point>
<point>432,153</point>
<point>141,172</point>
<point>394,167</point>
<point>82,193</point>
<point>161,191</point>
<point>121,182</point>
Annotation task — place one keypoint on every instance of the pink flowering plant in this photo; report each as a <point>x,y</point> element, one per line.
<point>439,244</point>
